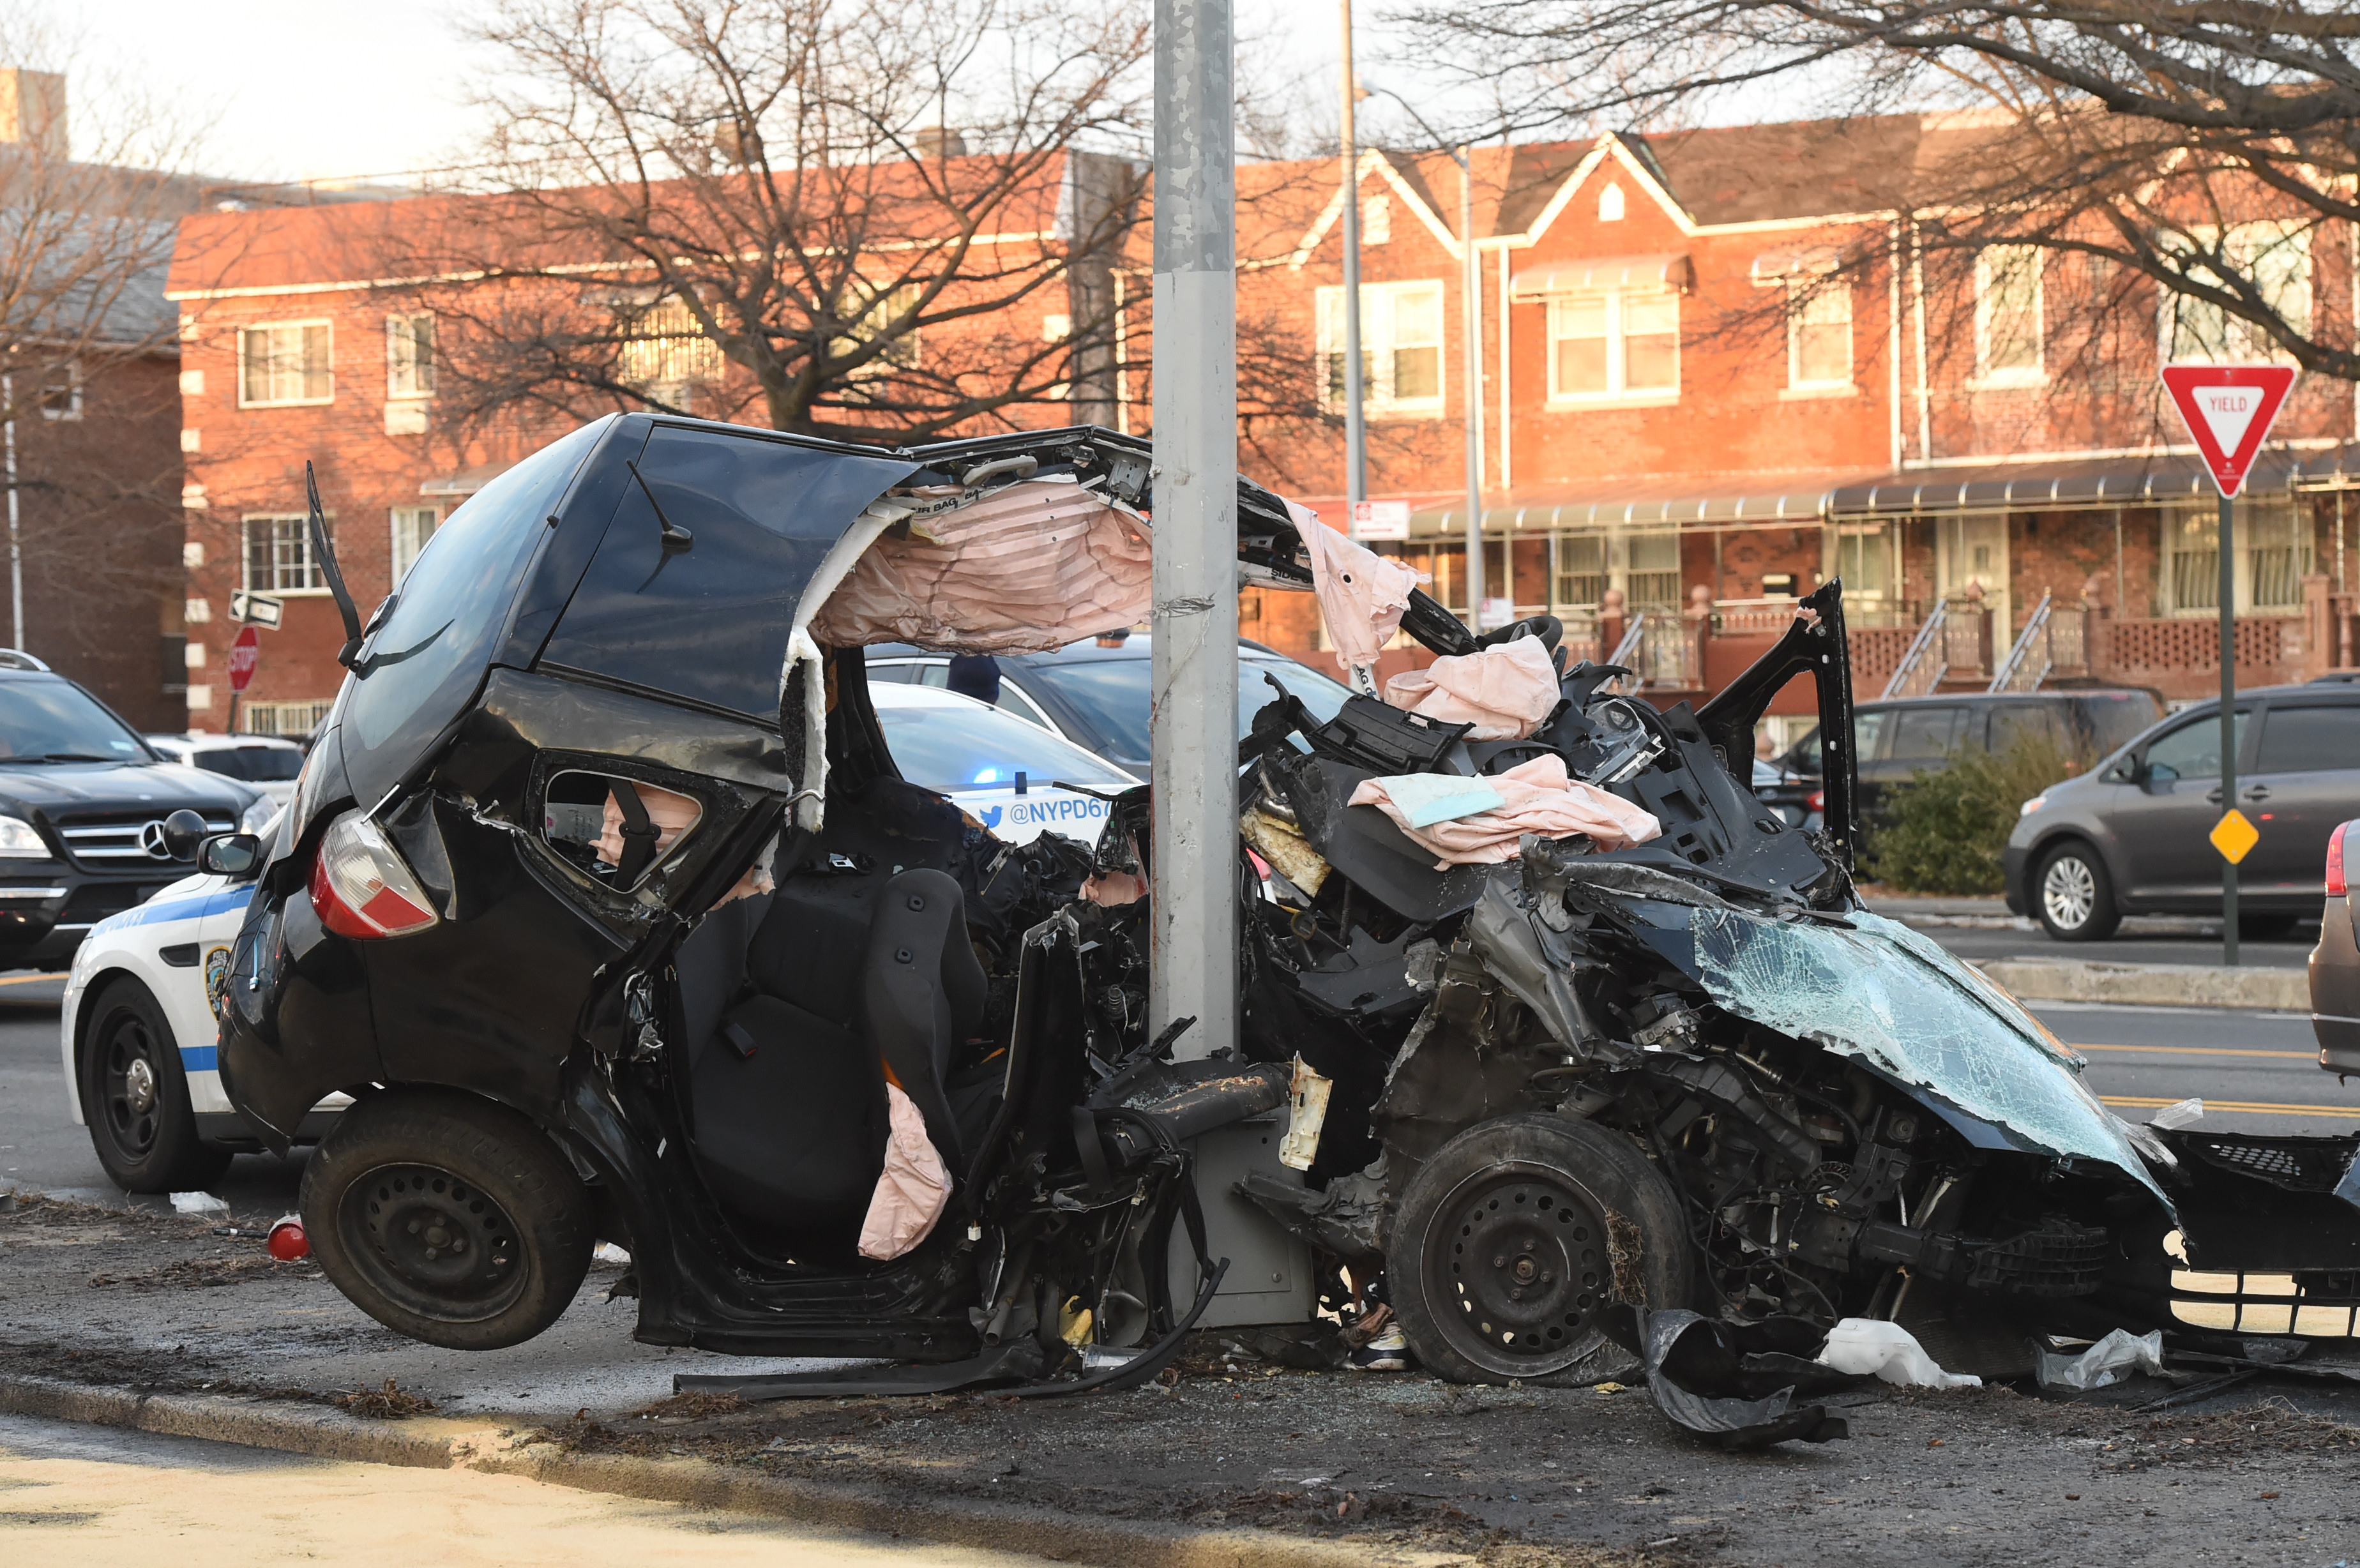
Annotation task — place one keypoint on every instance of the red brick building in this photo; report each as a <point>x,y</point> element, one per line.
<point>1714,369</point>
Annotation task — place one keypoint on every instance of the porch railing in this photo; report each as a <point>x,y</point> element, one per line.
<point>1926,662</point>
<point>2028,663</point>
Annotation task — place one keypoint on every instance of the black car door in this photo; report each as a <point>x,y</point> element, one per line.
<point>2306,779</point>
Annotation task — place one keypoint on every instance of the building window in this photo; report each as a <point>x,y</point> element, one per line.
<point>412,527</point>
<point>1610,204</point>
<point>1401,347</point>
<point>1818,335</point>
<point>1580,570</point>
<point>879,308</point>
<point>1376,219</point>
<point>1613,345</point>
<point>665,348</point>
<point>291,720</point>
<point>62,391</point>
<point>410,356</point>
<point>2273,558</point>
<point>287,363</point>
<point>1652,581</point>
<point>279,556</point>
<point>2007,316</point>
<point>2277,257</point>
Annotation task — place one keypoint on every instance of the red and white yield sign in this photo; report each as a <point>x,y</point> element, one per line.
<point>243,655</point>
<point>2229,410</point>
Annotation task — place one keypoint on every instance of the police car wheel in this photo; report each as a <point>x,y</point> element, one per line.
<point>447,1218</point>
<point>136,1097</point>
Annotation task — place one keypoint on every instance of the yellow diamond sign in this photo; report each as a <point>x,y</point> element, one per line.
<point>2234,836</point>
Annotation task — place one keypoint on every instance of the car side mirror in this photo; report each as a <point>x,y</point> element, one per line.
<point>231,854</point>
<point>2159,777</point>
<point>183,831</point>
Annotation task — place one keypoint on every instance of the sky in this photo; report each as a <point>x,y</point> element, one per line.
<point>328,88</point>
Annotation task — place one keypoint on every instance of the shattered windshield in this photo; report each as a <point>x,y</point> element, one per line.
<point>1886,996</point>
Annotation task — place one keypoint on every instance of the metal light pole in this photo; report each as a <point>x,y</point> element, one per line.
<point>16,544</point>
<point>2228,720</point>
<point>1193,962</point>
<point>1356,431</point>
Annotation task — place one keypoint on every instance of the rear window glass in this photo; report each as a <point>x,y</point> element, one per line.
<point>2040,723</point>
<point>2116,719</point>
<point>1923,734</point>
<point>953,750</point>
<point>424,662</point>
<point>2309,740</point>
<point>254,764</point>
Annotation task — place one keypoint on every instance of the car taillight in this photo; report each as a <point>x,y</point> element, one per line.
<point>1819,800</point>
<point>360,886</point>
<point>2336,861</point>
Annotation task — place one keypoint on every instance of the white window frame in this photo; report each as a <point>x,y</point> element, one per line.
<point>1379,309</point>
<point>318,582</point>
<point>1802,300</point>
<point>71,370</point>
<point>1612,205</point>
<point>408,375</point>
<point>1376,219</point>
<point>1618,388</point>
<point>307,322</point>
<point>2261,525</point>
<point>665,349</point>
<point>1994,260</point>
<point>399,516</point>
<point>2240,341</point>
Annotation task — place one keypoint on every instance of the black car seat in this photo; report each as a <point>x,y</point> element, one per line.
<point>922,993</point>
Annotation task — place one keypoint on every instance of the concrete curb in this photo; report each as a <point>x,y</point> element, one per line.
<point>428,1443</point>
<point>2151,985</point>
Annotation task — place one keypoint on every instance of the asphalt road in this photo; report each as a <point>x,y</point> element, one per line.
<point>2139,942</point>
<point>91,1497</point>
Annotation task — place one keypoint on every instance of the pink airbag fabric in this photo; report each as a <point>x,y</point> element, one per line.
<point>1504,692</point>
<point>1025,569</point>
<point>913,1190</point>
<point>1362,593</point>
<point>1537,797</point>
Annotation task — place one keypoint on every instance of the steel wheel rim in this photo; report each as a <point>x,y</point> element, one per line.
<point>1518,1264</point>
<point>2069,892</point>
<point>439,1244</point>
<point>131,1085</point>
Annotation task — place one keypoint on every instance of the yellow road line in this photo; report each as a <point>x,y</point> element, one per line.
<point>29,979</point>
<point>2200,1051</point>
<point>2245,1107</point>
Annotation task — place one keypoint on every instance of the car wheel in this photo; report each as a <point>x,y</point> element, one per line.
<point>1517,1234</point>
<point>2072,895</point>
<point>136,1097</point>
<point>447,1218</point>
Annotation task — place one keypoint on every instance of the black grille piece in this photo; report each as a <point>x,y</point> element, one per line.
<point>2292,1164</point>
<point>2059,1259</point>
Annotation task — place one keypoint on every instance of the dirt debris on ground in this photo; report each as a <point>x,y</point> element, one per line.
<point>392,1402</point>
<point>1519,1478</point>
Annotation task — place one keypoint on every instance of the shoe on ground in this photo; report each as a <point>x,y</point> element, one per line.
<point>1389,1352</point>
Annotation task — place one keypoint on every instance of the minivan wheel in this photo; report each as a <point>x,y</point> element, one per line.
<point>2072,895</point>
<point>136,1097</point>
<point>1513,1238</point>
<point>447,1218</point>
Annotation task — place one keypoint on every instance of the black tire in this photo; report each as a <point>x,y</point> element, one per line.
<point>2072,896</point>
<point>447,1218</point>
<point>1550,1198</point>
<point>136,1097</point>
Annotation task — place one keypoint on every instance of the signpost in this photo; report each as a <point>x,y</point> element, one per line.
<point>2228,410</point>
<point>243,655</point>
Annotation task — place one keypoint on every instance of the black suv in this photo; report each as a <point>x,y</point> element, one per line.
<point>82,803</point>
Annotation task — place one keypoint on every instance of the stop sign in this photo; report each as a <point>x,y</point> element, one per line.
<point>243,655</point>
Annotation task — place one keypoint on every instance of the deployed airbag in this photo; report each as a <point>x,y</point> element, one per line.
<point>1505,690</point>
<point>1536,797</point>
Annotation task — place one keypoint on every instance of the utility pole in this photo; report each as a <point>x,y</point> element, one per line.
<point>1193,960</point>
<point>16,542</point>
<point>1356,429</point>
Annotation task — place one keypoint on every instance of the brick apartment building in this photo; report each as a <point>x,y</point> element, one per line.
<point>1714,369</point>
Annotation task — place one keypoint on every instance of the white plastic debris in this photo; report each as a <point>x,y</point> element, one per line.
<point>2184,1113</point>
<point>1862,1346</point>
<point>607,1252</point>
<point>198,1203</point>
<point>2111,1359</point>
<point>1307,1113</point>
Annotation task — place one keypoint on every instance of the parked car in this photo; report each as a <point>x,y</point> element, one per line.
<point>1898,739</point>
<point>2130,836</point>
<point>1000,769</point>
<point>82,802</point>
<point>1098,694</point>
<point>847,1076</point>
<point>266,762</point>
<point>2335,967</point>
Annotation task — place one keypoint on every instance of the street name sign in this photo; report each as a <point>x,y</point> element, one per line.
<point>1381,520</point>
<point>2229,410</point>
<point>256,609</point>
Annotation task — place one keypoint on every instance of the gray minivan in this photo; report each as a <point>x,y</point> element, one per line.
<point>2129,836</point>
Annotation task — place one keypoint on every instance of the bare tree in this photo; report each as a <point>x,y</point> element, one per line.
<point>2188,157</point>
<point>869,219</point>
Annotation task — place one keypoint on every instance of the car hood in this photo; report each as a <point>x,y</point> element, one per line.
<point>52,788</point>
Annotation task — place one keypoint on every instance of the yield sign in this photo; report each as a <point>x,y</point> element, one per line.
<point>243,655</point>
<point>2229,410</point>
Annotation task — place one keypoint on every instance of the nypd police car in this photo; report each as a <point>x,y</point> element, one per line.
<point>1016,778</point>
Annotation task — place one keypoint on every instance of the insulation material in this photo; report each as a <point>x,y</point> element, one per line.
<point>1025,568</point>
<point>1361,596</point>
<point>1505,692</point>
<point>1537,797</point>
<point>1307,1114</point>
<point>912,1190</point>
<point>1868,1347</point>
<point>1285,848</point>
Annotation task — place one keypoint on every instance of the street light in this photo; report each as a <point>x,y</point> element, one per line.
<point>1471,301</point>
<point>1356,429</point>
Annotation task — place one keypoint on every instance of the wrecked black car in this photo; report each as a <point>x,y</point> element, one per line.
<point>602,897</point>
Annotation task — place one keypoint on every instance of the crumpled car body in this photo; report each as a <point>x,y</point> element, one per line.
<point>603,896</point>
